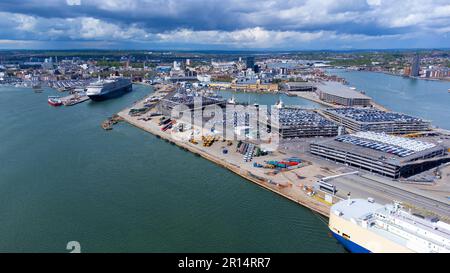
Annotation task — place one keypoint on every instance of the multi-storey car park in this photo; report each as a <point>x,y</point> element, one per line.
<point>387,155</point>
<point>370,119</point>
<point>299,87</point>
<point>168,104</point>
<point>337,93</point>
<point>299,123</point>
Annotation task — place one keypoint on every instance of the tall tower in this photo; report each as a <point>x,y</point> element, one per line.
<point>415,67</point>
<point>250,62</point>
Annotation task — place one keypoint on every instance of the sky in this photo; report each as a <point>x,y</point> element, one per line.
<point>224,24</point>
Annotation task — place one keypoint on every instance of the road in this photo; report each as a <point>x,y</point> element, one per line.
<point>384,193</point>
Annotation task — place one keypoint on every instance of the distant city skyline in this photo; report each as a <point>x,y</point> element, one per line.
<point>224,25</point>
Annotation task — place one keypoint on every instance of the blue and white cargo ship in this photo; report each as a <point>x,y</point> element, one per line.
<point>363,226</point>
<point>108,88</point>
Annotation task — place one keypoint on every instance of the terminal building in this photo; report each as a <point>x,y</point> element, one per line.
<point>370,119</point>
<point>300,123</point>
<point>383,154</point>
<point>183,100</point>
<point>299,87</point>
<point>254,84</point>
<point>337,93</point>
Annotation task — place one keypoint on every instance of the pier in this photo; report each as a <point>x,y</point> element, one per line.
<point>74,99</point>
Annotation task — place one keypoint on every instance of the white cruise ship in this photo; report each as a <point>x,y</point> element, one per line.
<point>365,226</point>
<point>108,88</point>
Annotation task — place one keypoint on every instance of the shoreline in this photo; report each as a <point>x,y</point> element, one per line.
<point>393,74</point>
<point>290,192</point>
<point>235,169</point>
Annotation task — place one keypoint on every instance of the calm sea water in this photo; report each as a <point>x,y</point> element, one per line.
<point>424,98</point>
<point>267,99</point>
<point>63,178</point>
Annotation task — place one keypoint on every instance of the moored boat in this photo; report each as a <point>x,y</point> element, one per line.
<point>54,101</point>
<point>108,88</point>
<point>363,226</point>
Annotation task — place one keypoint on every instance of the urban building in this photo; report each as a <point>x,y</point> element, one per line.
<point>299,87</point>
<point>407,71</point>
<point>337,93</point>
<point>250,62</point>
<point>370,119</point>
<point>383,154</point>
<point>301,123</point>
<point>254,84</point>
<point>415,67</point>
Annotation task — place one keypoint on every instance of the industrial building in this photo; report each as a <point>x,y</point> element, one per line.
<point>370,119</point>
<point>337,93</point>
<point>299,123</point>
<point>254,84</point>
<point>166,105</point>
<point>299,87</point>
<point>383,154</point>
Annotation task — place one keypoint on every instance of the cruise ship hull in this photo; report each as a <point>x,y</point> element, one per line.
<point>111,94</point>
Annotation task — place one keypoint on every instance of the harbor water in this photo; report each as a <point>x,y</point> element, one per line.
<point>428,99</point>
<point>63,178</point>
<point>267,99</point>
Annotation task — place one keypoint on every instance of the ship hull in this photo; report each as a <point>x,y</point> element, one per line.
<point>112,94</point>
<point>54,102</point>
<point>349,245</point>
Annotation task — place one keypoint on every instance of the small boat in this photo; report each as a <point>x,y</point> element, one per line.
<point>232,100</point>
<point>54,101</point>
<point>279,104</point>
<point>107,124</point>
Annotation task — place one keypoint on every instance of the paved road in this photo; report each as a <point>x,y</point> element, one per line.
<point>364,187</point>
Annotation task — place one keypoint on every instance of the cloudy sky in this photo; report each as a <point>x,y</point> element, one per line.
<point>224,24</point>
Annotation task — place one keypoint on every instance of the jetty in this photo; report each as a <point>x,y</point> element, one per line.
<point>74,99</point>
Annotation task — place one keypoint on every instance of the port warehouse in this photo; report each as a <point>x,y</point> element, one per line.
<point>168,104</point>
<point>299,87</point>
<point>300,123</point>
<point>387,155</point>
<point>292,122</point>
<point>370,119</point>
<point>337,93</point>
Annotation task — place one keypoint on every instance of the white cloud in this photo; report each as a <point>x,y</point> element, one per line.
<point>374,2</point>
<point>237,23</point>
<point>73,2</point>
<point>24,22</point>
<point>261,38</point>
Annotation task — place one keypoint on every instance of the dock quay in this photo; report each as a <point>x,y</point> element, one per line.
<point>285,183</point>
<point>269,165</point>
<point>74,99</point>
<point>108,124</point>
